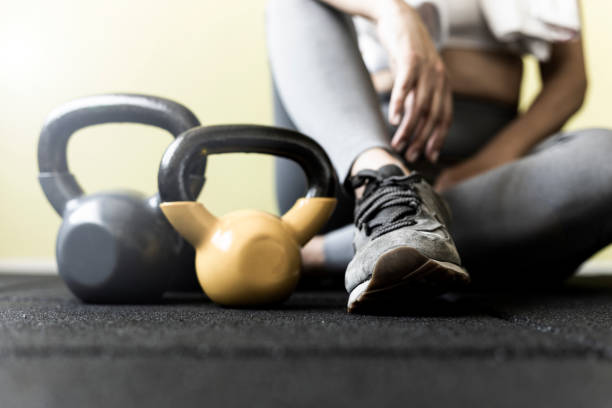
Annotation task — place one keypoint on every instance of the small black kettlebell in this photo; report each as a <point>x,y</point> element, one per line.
<point>115,247</point>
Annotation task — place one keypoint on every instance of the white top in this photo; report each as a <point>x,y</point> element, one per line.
<point>519,26</point>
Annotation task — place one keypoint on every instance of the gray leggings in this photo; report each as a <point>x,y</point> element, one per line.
<point>538,217</point>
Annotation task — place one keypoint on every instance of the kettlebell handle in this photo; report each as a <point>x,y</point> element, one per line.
<point>58,184</point>
<point>190,146</point>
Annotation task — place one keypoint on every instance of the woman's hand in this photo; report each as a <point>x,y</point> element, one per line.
<point>421,103</point>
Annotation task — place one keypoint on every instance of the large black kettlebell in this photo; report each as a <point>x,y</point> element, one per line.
<point>115,247</point>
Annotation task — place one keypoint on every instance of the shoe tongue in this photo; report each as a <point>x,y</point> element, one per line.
<point>390,170</point>
<point>385,201</point>
<point>384,172</point>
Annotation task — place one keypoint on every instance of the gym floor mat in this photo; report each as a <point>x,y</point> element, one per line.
<point>501,349</point>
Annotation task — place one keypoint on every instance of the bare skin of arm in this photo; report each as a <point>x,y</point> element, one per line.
<point>564,85</point>
<point>421,102</point>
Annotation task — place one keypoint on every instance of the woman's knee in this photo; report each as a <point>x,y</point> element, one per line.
<point>592,147</point>
<point>590,166</point>
<point>594,139</point>
<point>285,11</point>
<point>280,11</point>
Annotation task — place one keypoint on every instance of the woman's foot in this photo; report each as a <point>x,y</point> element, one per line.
<point>404,252</point>
<point>313,257</point>
<point>317,273</point>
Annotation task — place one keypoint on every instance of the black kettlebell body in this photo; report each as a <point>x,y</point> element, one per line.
<point>115,247</point>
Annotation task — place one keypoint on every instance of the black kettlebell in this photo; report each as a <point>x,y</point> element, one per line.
<point>115,247</point>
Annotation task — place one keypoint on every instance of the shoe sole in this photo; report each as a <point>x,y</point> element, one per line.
<point>404,277</point>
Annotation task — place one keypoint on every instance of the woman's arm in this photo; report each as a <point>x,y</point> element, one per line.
<point>421,103</point>
<point>564,85</point>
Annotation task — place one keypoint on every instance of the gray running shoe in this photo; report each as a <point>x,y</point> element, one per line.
<point>403,251</point>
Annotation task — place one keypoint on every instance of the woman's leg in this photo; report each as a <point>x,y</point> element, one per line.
<point>327,92</point>
<point>537,219</point>
<point>322,80</point>
<point>333,250</point>
<point>322,88</point>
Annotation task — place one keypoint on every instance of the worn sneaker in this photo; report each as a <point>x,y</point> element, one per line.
<point>403,251</point>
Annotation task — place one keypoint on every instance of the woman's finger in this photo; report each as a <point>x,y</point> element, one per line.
<point>401,137</point>
<point>423,132</point>
<point>420,107</point>
<point>403,84</point>
<point>434,145</point>
<point>411,154</point>
<point>412,115</point>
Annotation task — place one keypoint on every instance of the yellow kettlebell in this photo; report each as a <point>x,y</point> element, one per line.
<point>247,257</point>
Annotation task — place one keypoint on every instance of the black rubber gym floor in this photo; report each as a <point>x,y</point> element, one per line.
<point>543,348</point>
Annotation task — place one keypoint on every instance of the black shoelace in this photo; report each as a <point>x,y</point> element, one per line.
<point>388,203</point>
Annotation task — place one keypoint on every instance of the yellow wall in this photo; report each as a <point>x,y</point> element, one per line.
<point>208,54</point>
